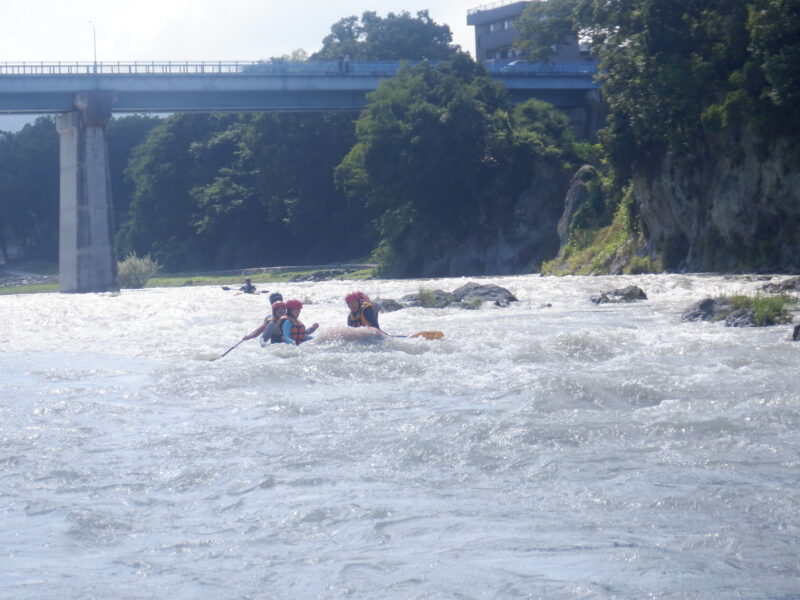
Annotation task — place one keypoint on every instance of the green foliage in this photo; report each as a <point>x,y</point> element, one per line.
<point>29,182</point>
<point>593,251</point>
<point>545,25</point>
<point>667,67</point>
<point>774,27</point>
<point>474,303</point>
<point>426,298</point>
<point>135,271</point>
<point>643,264</point>
<point>440,153</point>
<point>768,310</point>
<point>397,36</point>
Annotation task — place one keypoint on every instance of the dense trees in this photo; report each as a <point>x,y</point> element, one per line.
<point>397,36</point>
<point>667,67</point>
<point>29,182</point>
<point>438,153</point>
<point>29,189</point>
<point>441,154</point>
<point>221,191</point>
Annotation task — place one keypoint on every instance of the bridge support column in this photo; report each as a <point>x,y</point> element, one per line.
<point>87,258</point>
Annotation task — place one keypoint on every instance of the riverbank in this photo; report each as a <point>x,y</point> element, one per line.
<point>18,280</point>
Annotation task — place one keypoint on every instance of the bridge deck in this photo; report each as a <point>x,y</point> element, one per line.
<point>236,86</point>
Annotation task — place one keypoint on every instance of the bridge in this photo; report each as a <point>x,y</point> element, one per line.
<point>85,94</point>
<point>137,87</point>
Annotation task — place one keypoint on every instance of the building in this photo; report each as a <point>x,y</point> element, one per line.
<point>495,33</point>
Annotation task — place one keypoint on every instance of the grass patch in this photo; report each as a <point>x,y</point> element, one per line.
<point>609,249</point>
<point>768,310</point>
<point>228,279</point>
<point>258,278</point>
<point>33,288</point>
<point>426,298</point>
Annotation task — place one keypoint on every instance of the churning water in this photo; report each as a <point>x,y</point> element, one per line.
<point>566,451</point>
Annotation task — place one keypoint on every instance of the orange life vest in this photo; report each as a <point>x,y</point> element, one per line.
<point>298,333</point>
<point>358,319</point>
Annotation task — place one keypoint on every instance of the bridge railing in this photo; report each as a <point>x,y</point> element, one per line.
<point>200,68</point>
<point>336,67</point>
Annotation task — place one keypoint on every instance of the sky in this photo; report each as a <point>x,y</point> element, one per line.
<point>180,30</point>
<point>127,30</point>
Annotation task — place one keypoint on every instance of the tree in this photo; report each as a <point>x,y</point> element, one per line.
<point>441,156</point>
<point>123,134</point>
<point>33,188</point>
<point>543,26</point>
<point>174,158</point>
<point>395,37</point>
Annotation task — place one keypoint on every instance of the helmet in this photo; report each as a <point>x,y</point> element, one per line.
<point>294,305</point>
<point>355,296</point>
<point>277,305</point>
<point>274,297</point>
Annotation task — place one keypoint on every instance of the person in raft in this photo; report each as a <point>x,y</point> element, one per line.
<point>292,328</point>
<point>248,287</point>
<point>268,330</point>
<point>363,312</point>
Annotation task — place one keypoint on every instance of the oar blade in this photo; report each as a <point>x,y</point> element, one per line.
<point>428,335</point>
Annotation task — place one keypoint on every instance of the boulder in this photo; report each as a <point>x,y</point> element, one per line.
<point>790,285</point>
<point>490,292</point>
<point>708,309</point>
<point>744,317</point>
<point>389,305</point>
<point>433,299</point>
<point>631,293</point>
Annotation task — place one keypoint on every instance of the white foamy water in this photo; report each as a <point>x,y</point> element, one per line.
<point>572,451</point>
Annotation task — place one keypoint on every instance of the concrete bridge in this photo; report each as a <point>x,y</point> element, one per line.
<point>84,95</point>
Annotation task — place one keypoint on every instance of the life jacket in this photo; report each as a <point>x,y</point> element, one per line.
<point>358,319</point>
<point>298,333</point>
<point>277,335</point>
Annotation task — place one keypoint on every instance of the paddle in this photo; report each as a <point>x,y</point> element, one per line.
<point>428,335</point>
<point>228,350</point>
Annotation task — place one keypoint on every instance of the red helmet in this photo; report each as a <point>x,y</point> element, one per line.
<point>355,296</point>
<point>278,304</point>
<point>294,305</point>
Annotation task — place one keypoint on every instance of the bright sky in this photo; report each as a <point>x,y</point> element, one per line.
<point>143,30</point>
<point>179,30</point>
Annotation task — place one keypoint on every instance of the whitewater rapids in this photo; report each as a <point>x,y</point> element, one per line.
<point>552,449</point>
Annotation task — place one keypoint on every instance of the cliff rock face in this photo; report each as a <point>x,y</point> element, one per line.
<point>735,206</point>
<point>514,240</point>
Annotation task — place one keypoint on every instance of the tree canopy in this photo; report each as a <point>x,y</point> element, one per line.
<point>440,152</point>
<point>394,37</point>
<point>672,70</point>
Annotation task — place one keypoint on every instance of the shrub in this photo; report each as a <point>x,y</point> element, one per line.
<point>135,271</point>
<point>768,310</point>
<point>426,298</point>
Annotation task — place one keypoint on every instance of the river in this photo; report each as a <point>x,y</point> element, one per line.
<point>552,449</point>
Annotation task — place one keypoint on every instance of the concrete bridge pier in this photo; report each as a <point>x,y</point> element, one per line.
<point>87,258</point>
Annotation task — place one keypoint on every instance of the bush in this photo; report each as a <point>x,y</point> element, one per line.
<point>426,298</point>
<point>768,310</point>
<point>135,271</point>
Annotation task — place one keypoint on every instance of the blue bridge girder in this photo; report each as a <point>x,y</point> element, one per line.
<point>154,87</point>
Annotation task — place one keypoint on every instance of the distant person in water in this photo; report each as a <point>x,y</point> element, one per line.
<point>363,312</point>
<point>292,328</point>
<point>268,330</point>
<point>248,287</point>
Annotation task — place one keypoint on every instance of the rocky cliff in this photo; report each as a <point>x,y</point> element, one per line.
<point>733,206</point>
<point>508,238</point>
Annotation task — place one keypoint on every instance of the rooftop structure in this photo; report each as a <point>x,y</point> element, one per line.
<point>495,33</point>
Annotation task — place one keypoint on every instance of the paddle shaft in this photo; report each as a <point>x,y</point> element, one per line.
<point>231,348</point>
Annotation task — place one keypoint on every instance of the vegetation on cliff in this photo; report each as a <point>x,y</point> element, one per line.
<point>687,85</point>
